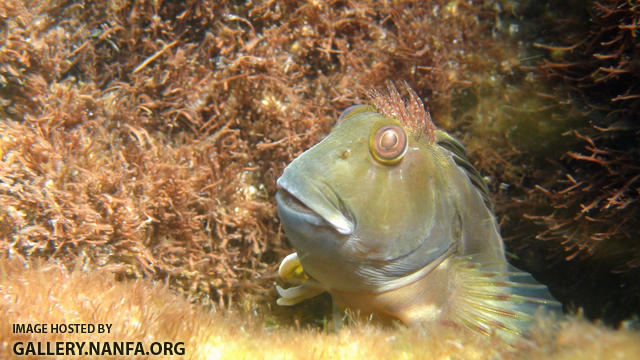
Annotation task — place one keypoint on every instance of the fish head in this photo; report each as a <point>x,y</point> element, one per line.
<point>368,203</point>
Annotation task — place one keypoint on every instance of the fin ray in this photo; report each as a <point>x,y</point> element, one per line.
<point>498,298</point>
<point>291,272</point>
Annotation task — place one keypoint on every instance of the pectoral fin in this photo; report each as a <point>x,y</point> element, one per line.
<point>498,298</point>
<point>291,272</point>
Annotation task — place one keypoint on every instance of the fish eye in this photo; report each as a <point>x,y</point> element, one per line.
<point>389,144</point>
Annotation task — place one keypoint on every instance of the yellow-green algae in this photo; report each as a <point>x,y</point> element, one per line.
<point>144,311</point>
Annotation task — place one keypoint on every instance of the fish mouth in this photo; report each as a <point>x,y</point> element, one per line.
<point>318,213</point>
<point>292,205</point>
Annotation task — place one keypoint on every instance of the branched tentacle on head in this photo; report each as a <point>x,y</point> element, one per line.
<point>410,112</point>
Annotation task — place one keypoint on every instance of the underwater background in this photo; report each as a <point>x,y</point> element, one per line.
<point>140,142</point>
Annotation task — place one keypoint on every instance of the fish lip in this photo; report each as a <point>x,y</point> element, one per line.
<point>295,203</point>
<point>292,204</point>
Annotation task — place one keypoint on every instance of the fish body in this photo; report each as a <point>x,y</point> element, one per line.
<point>388,215</point>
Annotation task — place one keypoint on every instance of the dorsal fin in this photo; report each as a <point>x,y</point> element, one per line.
<point>460,157</point>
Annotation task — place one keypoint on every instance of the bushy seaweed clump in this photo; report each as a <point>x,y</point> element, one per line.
<point>146,136</point>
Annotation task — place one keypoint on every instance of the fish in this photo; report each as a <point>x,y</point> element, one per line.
<point>388,215</point>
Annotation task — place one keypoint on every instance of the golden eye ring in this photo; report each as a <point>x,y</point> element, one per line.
<point>389,144</point>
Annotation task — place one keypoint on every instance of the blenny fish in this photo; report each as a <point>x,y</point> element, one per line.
<point>389,216</point>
